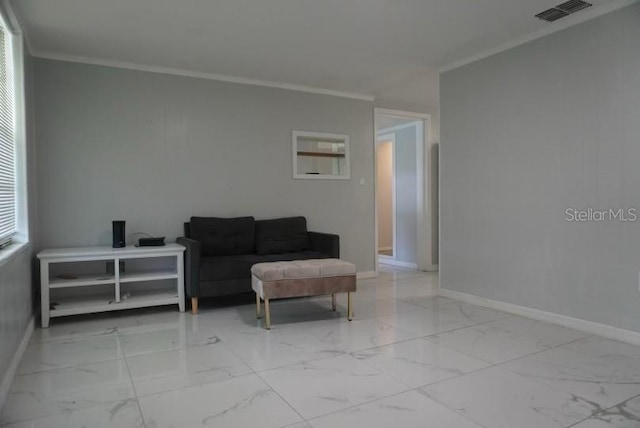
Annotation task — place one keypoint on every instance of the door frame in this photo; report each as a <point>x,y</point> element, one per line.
<point>425,202</point>
<point>382,138</point>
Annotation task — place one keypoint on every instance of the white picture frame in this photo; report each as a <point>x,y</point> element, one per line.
<point>320,156</point>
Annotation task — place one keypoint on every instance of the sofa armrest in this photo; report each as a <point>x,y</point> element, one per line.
<point>326,243</point>
<point>191,266</point>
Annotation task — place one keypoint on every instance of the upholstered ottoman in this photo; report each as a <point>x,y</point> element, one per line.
<point>300,278</point>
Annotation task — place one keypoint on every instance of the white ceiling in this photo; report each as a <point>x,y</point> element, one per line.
<point>390,49</point>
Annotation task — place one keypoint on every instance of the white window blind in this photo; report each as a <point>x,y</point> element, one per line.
<point>7,141</point>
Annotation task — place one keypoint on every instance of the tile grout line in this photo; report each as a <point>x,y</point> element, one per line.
<point>281,397</point>
<point>343,352</point>
<point>556,388</point>
<point>387,397</point>
<point>213,382</point>
<point>99,405</point>
<point>348,352</point>
<point>72,337</point>
<point>436,382</point>
<point>497,366</point>
<point>53,415</point>
<point>457,412</point>
<point>257,373</point>
<point>84,364</point>
<point>511,359</point>
<point>133,385</point>
<point>506,361</point>
<point>602,411</point>
<point>251,371</point>
<point>360,404</point>
<point>409,388</point>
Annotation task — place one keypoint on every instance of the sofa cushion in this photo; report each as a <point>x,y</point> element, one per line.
<point>282,235</point>
<point>235,267</point>
<point>224,236</point>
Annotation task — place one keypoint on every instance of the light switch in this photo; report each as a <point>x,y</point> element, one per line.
<point>362,181</point>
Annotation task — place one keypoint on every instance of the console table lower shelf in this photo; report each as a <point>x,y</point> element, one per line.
<point>66,289</point>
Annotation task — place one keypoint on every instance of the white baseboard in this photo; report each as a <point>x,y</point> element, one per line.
<point>392,262</point>
<point>591,327</point>
<point>5,384</point>
<point>366,274</point>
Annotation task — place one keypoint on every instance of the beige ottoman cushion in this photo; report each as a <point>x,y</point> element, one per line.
<point>303,278</point>
<point>312,268</point>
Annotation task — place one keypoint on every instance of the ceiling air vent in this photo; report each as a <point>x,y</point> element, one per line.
<point>573,6</point>
<point>562,10</point>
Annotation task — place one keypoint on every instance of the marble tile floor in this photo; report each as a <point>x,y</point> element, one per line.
<point>408,359</point>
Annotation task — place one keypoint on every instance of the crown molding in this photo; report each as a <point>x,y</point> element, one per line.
<point>200,75</point>
<point>565,23</point>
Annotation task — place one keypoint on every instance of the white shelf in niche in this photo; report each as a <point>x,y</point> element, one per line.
<point>125,277</point>
<point>105,302</point>
<point>82,281</point>
<point>147,276</point>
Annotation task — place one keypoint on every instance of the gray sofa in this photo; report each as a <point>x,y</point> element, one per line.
<point>221,251</point>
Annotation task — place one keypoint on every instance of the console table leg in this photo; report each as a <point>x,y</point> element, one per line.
<point>349,307</point>
<point>194,305</point>
<point>333,302</point>
<point>44,293</point>
<point>180,281</point>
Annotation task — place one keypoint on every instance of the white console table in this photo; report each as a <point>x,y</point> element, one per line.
<point>110,296</point>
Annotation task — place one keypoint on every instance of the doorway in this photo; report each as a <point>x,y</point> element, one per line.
<point>402,221</point>
<point>385,177</point>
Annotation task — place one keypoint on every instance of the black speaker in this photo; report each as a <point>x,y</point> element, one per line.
<point>118,234</point>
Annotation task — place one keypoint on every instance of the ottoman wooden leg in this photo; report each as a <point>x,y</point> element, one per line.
<point>267,315</point>
<point>349,307</point>
<point>194,305</point>
<point>257,306</point>
<point>333,302</point>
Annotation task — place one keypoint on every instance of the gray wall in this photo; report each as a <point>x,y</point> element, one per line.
<point>406,191</point>
<point>15,307</point>
<point>526,134</point>
<point>155,149</point>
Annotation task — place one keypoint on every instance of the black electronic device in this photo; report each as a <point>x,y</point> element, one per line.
<point>151,242</point>
<point>118,234</point>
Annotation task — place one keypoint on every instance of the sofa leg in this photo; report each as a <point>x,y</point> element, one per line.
<point>194,305</point>
<point>349,307</point>
<point>333,302</point>
<point>267,315</point>
<point>257,306</point>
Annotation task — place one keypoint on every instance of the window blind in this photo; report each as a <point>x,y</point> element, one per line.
<point>7,141</point>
